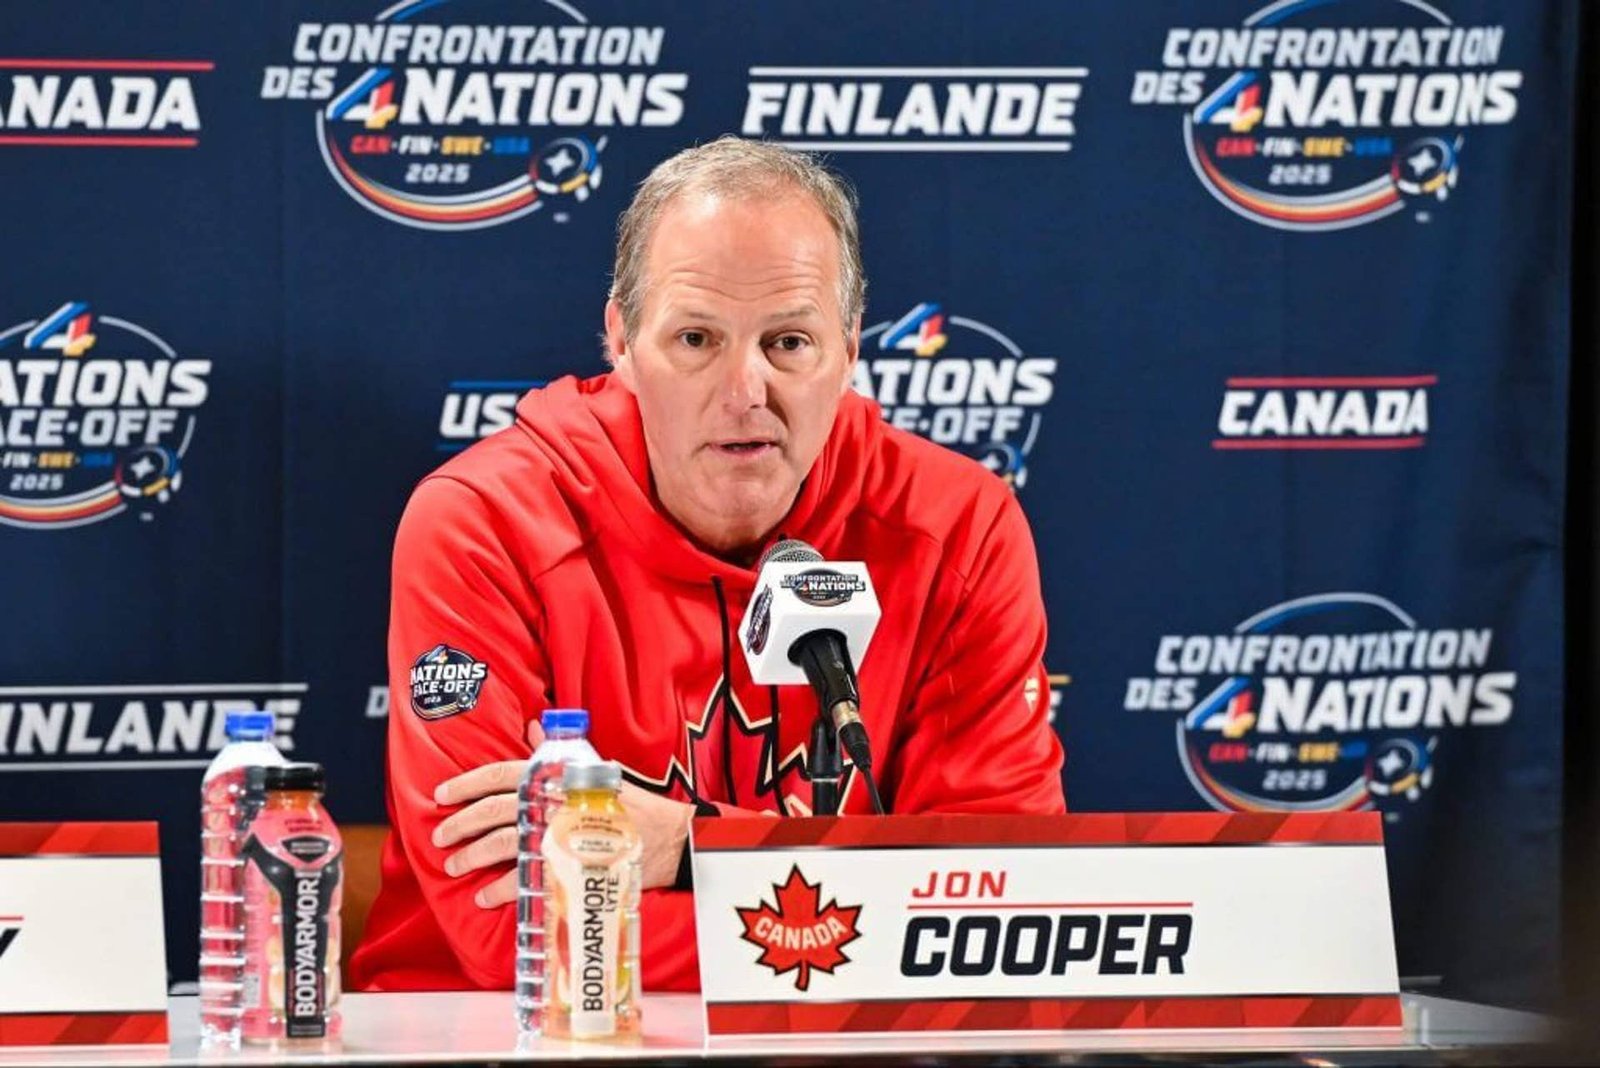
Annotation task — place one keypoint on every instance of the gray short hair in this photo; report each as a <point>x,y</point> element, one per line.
<point>736,167</point>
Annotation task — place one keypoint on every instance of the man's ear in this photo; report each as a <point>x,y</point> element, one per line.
<point>617,346</point>
<point>852,352</point>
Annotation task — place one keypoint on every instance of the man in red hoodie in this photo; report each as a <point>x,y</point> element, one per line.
<point>599,553</point>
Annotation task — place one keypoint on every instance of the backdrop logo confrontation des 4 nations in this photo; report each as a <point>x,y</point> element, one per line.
<point>458,115</point>
<point>1333,701</point>
<point>1326,114</point>
<point>96,415</point>
<point>958,382</point>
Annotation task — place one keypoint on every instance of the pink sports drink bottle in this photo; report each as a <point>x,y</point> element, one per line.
<point>294,861</point>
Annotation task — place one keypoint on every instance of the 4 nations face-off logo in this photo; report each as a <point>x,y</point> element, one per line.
<point>1326,114</point>
<point>958,382</point>
<point>1334,701</point>
<point>447,115</point>
<point>96,416</point>
<point>445,681</point>
<point>822,587</point>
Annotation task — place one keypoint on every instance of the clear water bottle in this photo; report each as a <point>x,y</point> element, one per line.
<point>565,742</point>
<point>225,811</point>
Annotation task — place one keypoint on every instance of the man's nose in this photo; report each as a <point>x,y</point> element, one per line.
<point>744,384</point>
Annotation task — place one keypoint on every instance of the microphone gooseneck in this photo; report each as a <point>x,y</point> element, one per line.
<point>826,661</point>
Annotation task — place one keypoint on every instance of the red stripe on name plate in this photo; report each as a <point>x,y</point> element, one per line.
<point>131,839</point>
<point>990,906</point>
<point>83,1028</point>
<point>1099,829</point>
<point>1054,1014</point>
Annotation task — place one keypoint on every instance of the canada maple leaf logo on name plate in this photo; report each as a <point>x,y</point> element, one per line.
<point>799,933</point>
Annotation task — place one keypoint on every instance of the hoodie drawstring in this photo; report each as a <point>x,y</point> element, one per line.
<point>725,699</point>
<point>725,696</point>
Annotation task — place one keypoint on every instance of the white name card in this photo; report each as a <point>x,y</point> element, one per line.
<point>958,923</point>
<point>82,949</point>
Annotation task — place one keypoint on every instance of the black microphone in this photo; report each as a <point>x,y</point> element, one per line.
<point>822,613</point>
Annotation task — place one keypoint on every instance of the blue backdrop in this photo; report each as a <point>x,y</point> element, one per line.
<point>1261,308</point>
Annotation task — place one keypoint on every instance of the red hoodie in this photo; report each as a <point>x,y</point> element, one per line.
<point>536,570</point>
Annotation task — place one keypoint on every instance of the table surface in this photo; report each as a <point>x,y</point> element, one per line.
<point>477,1028</point>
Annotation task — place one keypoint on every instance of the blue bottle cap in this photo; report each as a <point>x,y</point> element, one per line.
<point>253,726</point>
<point>565,719</point>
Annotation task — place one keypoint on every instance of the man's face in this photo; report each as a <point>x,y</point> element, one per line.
<point>739,361</point>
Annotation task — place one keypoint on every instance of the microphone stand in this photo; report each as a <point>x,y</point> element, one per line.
<point>824,768</point>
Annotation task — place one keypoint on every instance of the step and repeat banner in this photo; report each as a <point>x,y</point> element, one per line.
<point>1260,308</point>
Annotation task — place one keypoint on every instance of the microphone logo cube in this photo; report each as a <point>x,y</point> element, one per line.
<point>798,597</point>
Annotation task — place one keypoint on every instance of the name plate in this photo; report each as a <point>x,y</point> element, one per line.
<point>82,951</point>
<point>1021,923</point>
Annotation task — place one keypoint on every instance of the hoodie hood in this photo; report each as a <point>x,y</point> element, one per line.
<point>590,431</point>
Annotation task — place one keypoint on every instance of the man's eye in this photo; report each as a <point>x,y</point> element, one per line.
<point>693,338</point>
<point>790,343</point>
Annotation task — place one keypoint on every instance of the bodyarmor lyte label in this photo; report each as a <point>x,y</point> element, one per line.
<point>595,924</point>
<point>445,681</point>
<point>592,945</point>
<point>305,896</point>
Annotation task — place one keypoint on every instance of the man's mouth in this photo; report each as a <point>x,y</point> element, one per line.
<point>746,447</point>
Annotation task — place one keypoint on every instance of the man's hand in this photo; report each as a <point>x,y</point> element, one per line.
<point>488,823</point>
<point>663,825</point>
<point>486,826</point>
